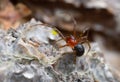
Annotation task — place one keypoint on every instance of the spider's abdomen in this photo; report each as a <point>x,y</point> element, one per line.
<point>79,49</point>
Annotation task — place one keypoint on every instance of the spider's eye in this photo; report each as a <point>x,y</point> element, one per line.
<point>79,49</point>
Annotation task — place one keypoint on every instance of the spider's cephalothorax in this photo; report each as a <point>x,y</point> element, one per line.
<point>79,49</point>
<point>71,41</point>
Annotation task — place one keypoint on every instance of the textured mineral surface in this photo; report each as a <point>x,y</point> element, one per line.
<point>31,53</point>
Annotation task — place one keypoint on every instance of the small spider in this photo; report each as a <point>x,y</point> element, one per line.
<point>76,42</point>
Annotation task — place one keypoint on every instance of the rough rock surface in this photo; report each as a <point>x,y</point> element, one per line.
<point>31,53</point>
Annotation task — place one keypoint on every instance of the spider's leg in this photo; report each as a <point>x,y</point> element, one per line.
<point>57,41</point>
<point>81,37</point>
<point>88,43</point>
<point>60,33</point>
<point>84,33</point>
<point>74,26</point>
<point>63,46</point>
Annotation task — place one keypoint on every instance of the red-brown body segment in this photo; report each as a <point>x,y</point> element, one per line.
<point>71,41</point>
